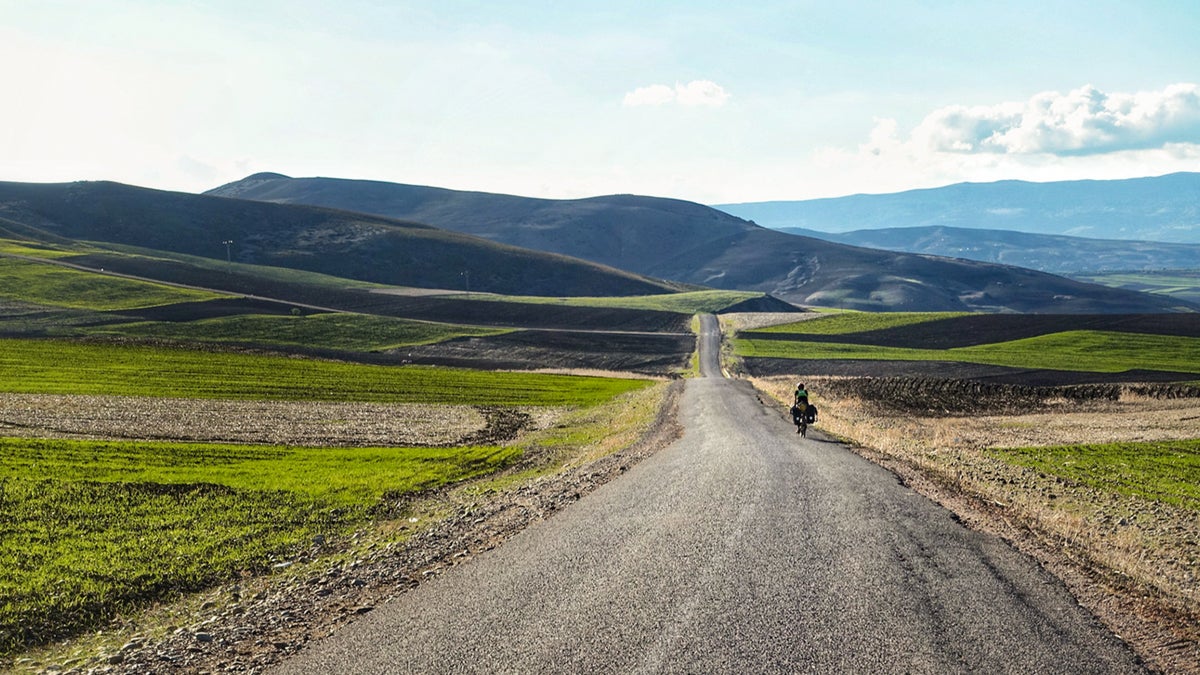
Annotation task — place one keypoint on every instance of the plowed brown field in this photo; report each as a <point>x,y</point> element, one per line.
<point>270,422</point>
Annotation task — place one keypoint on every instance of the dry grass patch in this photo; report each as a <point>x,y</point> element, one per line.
<point>736,321</point>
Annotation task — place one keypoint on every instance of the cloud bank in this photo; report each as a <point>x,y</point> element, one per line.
<point>694,93</point>
<point>1085,121</point>
<point>1082,134</point>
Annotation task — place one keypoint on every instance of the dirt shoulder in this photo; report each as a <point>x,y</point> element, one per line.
<point>1131,561</point>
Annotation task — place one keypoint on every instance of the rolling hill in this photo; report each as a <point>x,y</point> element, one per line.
<point>694,244</point>
<point>342,244</point>
<point>117,293</point>
<point>1057,254</point>
<point>1163,208</point>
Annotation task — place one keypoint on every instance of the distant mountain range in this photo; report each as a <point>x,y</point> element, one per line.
<point>339,243</point>
<point>1161,209</point>
<point>690,243</point>
<point>1046,252</point>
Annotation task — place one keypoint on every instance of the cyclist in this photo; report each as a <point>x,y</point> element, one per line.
<point>801,395</point>
<point>802,410</point>
<point>800,405</point>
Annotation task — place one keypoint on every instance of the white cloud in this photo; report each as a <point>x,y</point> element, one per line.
<point>1084,134</point>
<point>701,92</point>
<point>694,93</point>
<point>1085,121</point>
<point>655,94</point>
<point>891,162</point>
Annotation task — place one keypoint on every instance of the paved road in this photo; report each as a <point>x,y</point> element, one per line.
<point>741,548</point>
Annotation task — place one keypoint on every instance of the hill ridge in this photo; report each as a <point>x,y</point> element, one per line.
<point>1159,208</point>
<point>1055,253</point>
<point>340,243</point>
<point>695,244</point>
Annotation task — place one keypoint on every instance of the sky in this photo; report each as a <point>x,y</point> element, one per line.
<point>708,101</point>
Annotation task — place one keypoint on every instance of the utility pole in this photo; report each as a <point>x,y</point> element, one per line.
<point>467,276</point>
<point>228,255</point>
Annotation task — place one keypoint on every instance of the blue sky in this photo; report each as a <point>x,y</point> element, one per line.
<point>706,101</point>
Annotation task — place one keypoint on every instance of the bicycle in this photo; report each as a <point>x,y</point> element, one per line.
<point>803,417</point>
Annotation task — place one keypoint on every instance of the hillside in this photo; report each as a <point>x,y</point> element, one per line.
<point>348,245</point>
<point>690,243</point>
<point>96,293</point>
<point>624,231</point>
<point>1163,208</point>
<point>1057,254</point>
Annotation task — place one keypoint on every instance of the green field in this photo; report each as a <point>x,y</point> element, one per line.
<point>691,302</point>
<point>55,285</point>
<point>1090,351</point>
<point>843,323</point>
<point>89,529</point>
<point>1167,471</point>
<point>93,528</point>
<point>18,318</point>
<point>355,332</point>
<point>34,249</point>
<point>65,367</point>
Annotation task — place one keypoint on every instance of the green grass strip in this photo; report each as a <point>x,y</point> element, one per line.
<point>355,332</point>
<point>55,285</point>
<point>92,528</point>
<point>34,249</point>
<point>1166,471</point>
<point>1088,351</point>
<point>858,322</point>
<point>65,367</point>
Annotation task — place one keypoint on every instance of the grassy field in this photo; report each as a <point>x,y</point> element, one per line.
<point>354,332</point>
<point>93,528</point>
<point>1167,472</point>
<point>89,529</point>
<point>842,323</point>
<point>691,302</point>
<point>64,367</point>
<point>34,249</point>
<point>18,318</point>
<point>1091,351</point>
<point>54,285</point>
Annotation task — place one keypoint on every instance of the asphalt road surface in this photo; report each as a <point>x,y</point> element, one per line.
<point>741,548</point>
